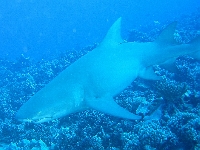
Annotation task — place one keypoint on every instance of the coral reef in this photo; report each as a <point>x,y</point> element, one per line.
<point>170,107</point>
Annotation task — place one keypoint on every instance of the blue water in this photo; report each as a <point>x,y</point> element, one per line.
<point>46,28</point>
<point>39,39</point>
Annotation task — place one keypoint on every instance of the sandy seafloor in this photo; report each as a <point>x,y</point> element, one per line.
<point>173,104</point>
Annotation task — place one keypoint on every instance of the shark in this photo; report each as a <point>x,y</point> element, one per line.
<point>92,81</point>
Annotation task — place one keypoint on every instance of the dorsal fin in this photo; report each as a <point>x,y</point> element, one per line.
<point>167,35</point>
<point>114,33</point>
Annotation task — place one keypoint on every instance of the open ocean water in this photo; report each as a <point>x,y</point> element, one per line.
<point>39,39</point>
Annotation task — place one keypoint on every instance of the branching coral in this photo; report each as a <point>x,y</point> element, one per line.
<point>171,90</point>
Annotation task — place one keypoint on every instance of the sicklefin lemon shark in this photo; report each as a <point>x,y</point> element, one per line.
<point>93,80</point>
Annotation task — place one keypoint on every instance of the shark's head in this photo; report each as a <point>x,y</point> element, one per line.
<point>33,116</point>
<point>37,119</point>
<point>47,105</point>
<point>40,114</point>
<point>30,116</point>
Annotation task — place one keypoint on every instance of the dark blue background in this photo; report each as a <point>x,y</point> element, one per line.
<point>44,28</point>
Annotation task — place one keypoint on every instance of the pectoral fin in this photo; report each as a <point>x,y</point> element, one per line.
<point>148,74</point>
<point>170,65</point>
<point>109,106</point>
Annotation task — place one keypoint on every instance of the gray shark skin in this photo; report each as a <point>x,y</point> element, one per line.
<point>93,80</point>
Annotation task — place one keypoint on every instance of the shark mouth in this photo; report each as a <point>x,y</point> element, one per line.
<point>36,120</point>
